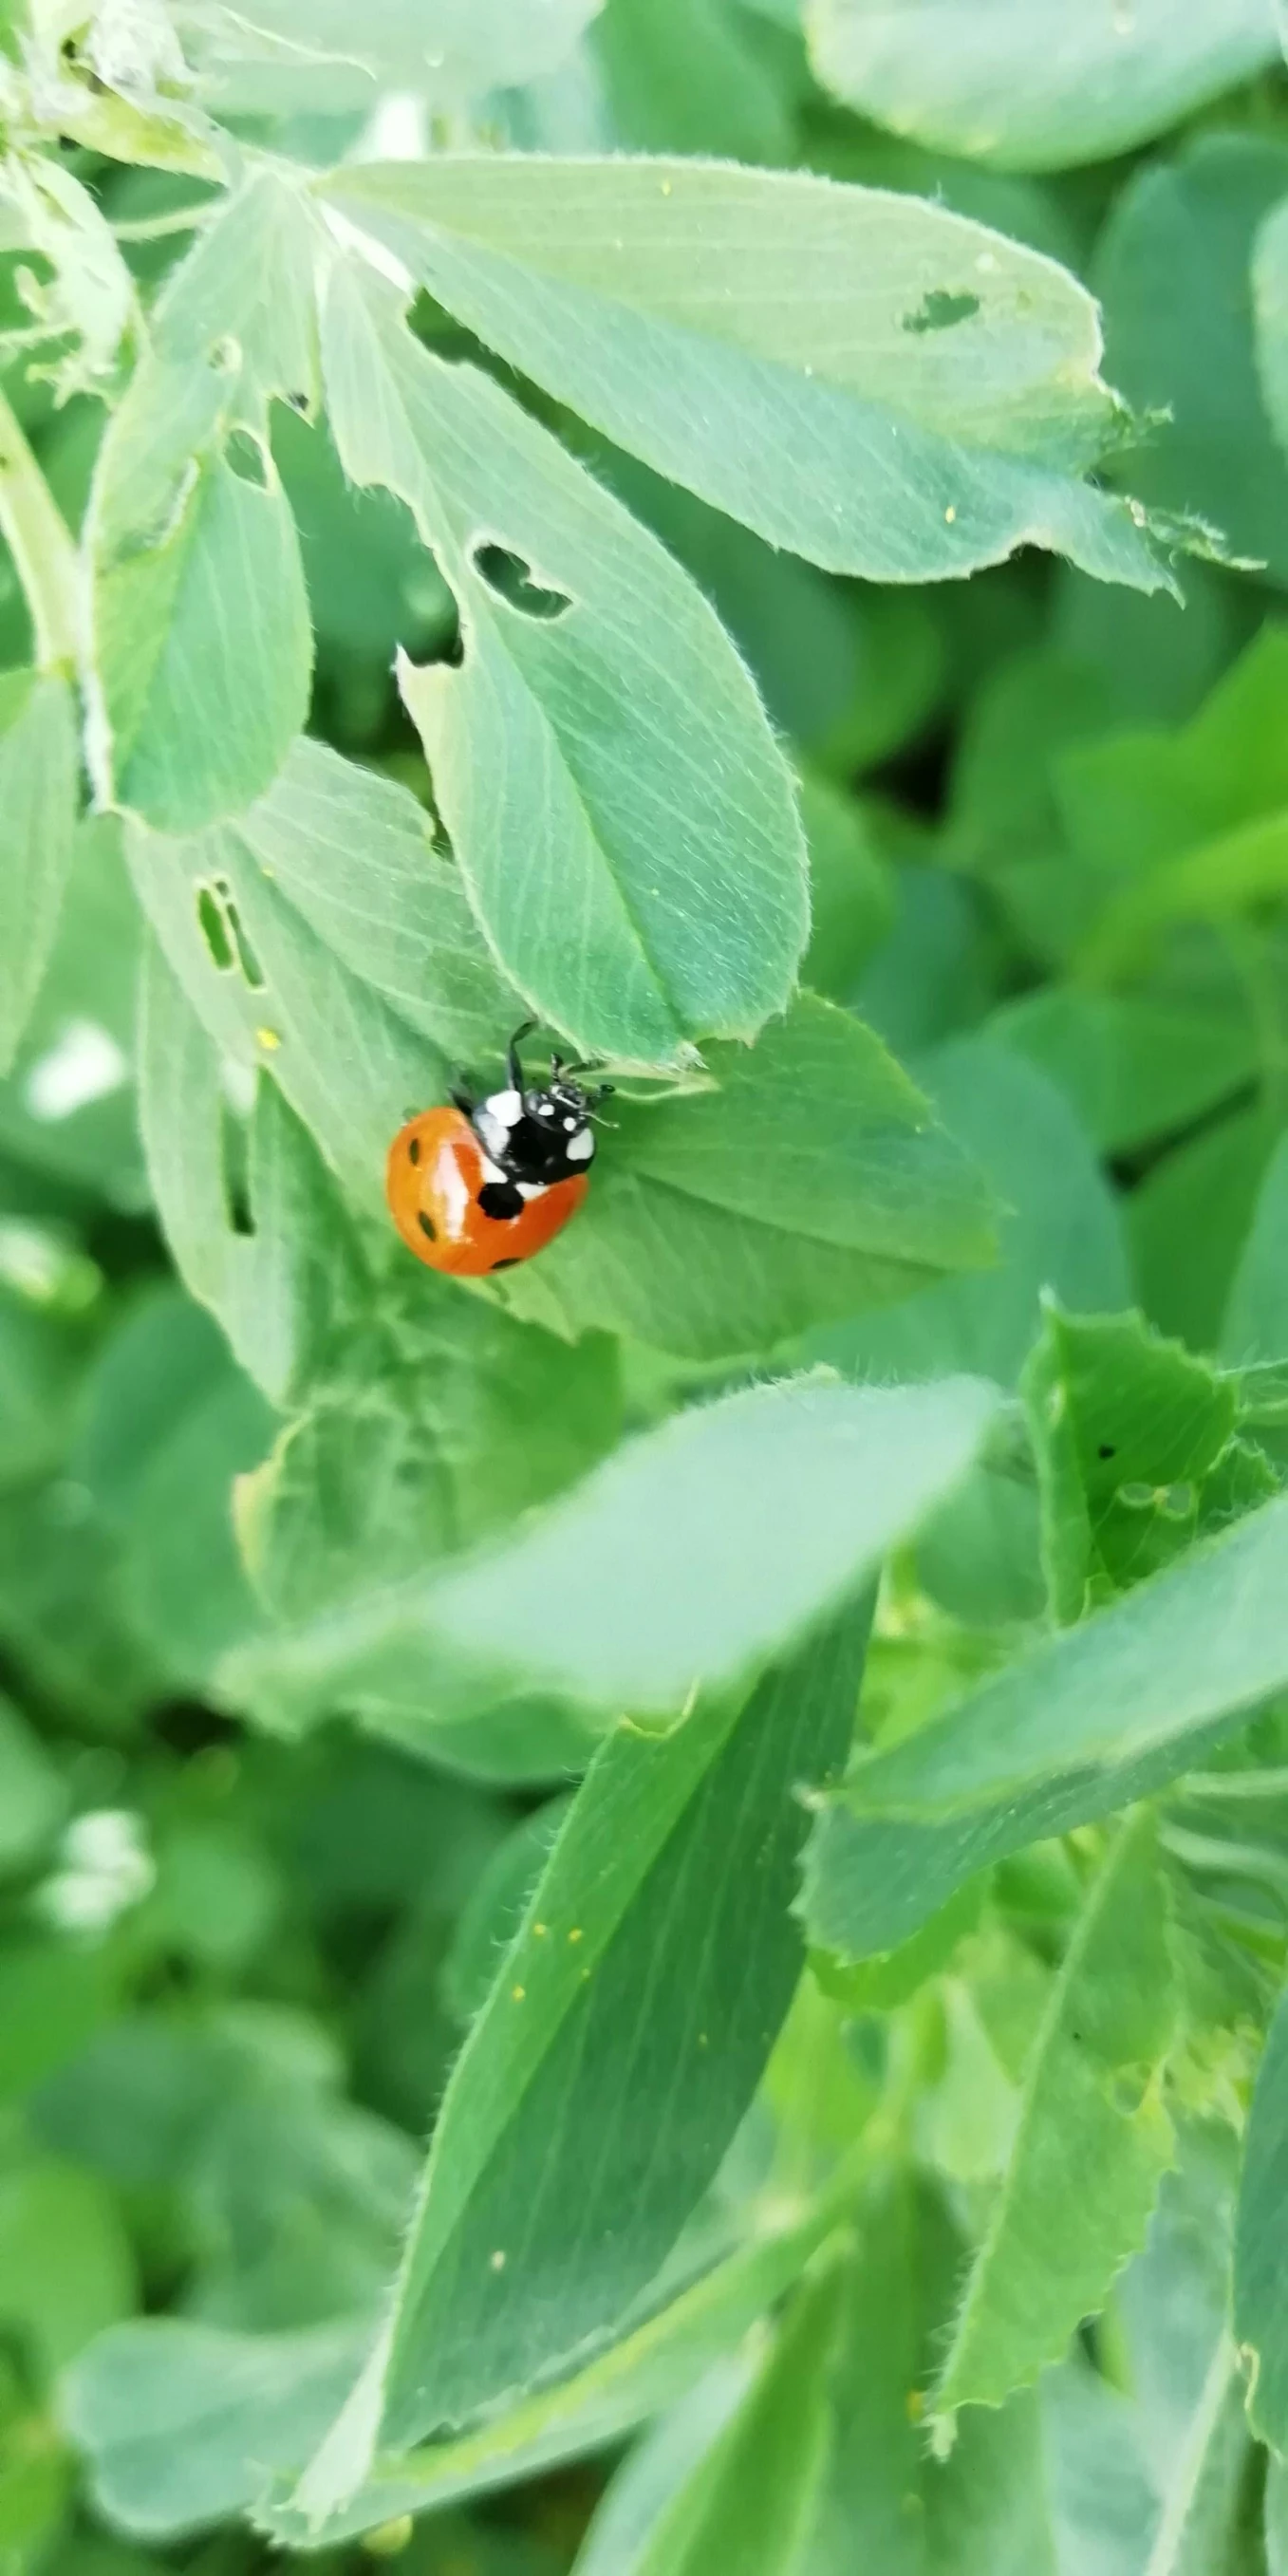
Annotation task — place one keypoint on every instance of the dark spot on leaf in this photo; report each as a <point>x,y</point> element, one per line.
<point>512,580</point>
<point>246,457</point>
<point>232,1171</point>
<point>426,1224</point>
<point>298,402</point>
<point>1106,1450</point>
<point>252,973</point>
<point>938,311</point>
<point>214,929</point>
<point>224,355</point>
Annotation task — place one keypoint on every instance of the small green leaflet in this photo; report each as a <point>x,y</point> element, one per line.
<point>1137,1453</point>
<point>617,803</point>
<point>1092,2142</point>
<point>1260,2311</point>
<point>863,378</point>
<point>1085,1722</point>
<point>629,2025</point>
<point>39,786</point>
<point>751,1517</point>
<point>1035,84</point>
<point>201,637</point>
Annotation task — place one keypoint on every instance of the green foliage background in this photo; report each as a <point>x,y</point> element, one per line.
<point>755,537</point>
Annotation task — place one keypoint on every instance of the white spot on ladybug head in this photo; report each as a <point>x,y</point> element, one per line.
<point>580,1148</point>
<point>506,1107</point>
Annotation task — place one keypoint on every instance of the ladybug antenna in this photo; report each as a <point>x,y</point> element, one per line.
<point>512,1064</point>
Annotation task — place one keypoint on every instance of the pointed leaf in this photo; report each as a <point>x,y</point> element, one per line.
<point>618,806</point>
<point>863,378</point>
<point>1260,2315</point>
<point>1092,2142</point>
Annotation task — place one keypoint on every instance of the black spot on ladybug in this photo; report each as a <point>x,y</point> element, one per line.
<point>501,1199</point>
<point>426,1224</point>
<point>413,1149</point>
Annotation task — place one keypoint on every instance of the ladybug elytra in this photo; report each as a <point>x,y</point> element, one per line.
<point>481,1184</point>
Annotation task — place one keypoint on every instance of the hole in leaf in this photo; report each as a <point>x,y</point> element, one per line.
<point>225,355</point>
<point>512,580</point>
<point>246,458</point>
<point>214,929</point>
<point>252,973</point>
<point>426,1224</point>
<point>938,311</point>
<point>232,1162</point>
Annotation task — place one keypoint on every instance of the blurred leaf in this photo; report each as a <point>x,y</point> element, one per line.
<point>1132,1066</point>
<point>1194,357</point>
<point>1027,85</point>
<point>560,2175</point>
<point>32,1796</point>
<point>1190,1217</point>
<point>750,1518</point>
<point>707,319</point>
<point>42,1363</point>
<point>68,1108</point>
<point>38,796</point>
<point>65,2268</point>
<point>1133,1441</point>
<point>1256,1317</point>
<point>630,922</point>
<point>201,634</point>
<point>851,897</point>
<point>64,1616</point>
<point>493,1912</point>
<point>810,1181</point>
<point>1080,1724</point>
<point>686,76</point>
<point>312,56</point>
<point>1092,2142</point>
<point>1259,2311</point>
<point>1270,307</point>
<point>658,2468</point>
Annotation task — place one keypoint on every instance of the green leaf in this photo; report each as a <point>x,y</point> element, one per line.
<point>1194,358</point>
<point>255,1268</point>
<point>68,1108</point>
<point>32,1797</point>
<point>749,1517</point>
<point>1259,2309</point>
<point>39,781</point>
<point>1029,84</point>
<point>746,2509</point>
<point>563,2168</point>
<point>1133,1439</point>
<point>862,378</point>
<point>202,642</point>
<point>1081,1724</point>
<point>1092,2142</point>
<point>688,76</point>
<point>810,1182</point>
<point>1270,305</point>
<point>1256,1317</point>
<point>1190,1217</point>
<point>322,935</point>
<point>65,2264</point>
<point>617,804</point>
<point>851,897</point>
<point>1134,1067</point>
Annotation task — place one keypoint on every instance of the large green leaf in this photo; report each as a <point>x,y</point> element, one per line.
<point>1033,84</point>
<point>39,767</point>
<point>1082,1723</point>
<point>618,806</point>
<point>810,1182</point>
<point>687,76</point>
<point>1193,357</point>
<point>748,1518</point>
<point>861,377</point>
<point>1092,2141</point>
<point>599,2088</point>
<point>202,645</point>
<point>1259,2309</point>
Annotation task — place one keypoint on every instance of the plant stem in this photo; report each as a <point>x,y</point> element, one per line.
<point>42,549</point>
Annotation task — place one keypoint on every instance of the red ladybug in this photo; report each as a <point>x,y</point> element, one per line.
<point>485,1183</point>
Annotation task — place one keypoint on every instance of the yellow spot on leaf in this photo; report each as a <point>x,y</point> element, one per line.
<point>517,1994</point>
<point>268,1038</point>
<point>575,1935</point>
<point>497,2260</point>
<point>950,514</point>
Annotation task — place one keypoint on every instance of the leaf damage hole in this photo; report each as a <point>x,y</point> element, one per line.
<point>233,1171</point>
<point>940,311</point>
<point>513,581</point>
<point>224,933</point>
<point>246,457</point>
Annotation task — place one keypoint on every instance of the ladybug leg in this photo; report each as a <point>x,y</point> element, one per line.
<point>463,1100</point>
<point>512,1064</point>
